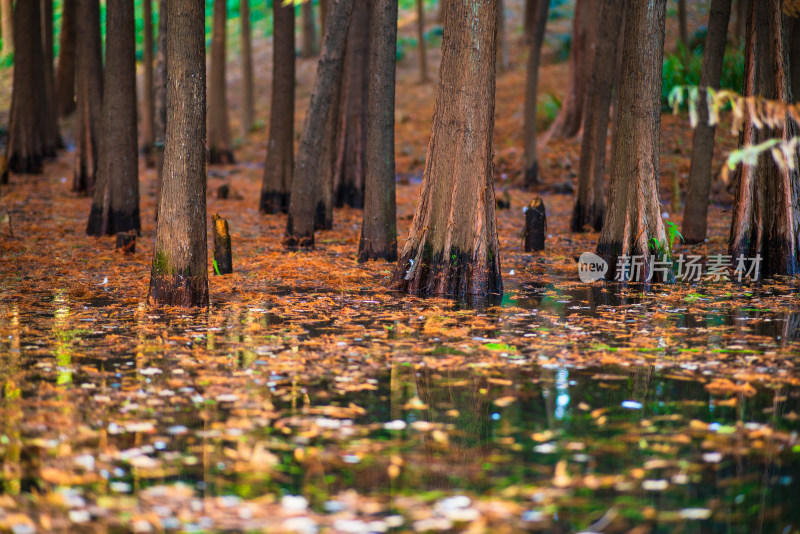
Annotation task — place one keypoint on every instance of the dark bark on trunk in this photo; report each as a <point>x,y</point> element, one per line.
<point>351,125</point>
<point>54,137</point>
<point>148,106</point>
<point>633,217</point>
<point>179,275</point>
<point>323,17</point>
<point>742,9</point>
<point>590,201</point>
<point>695,213</point>
<point>220,150</point>
<point>766,216</point>
<point>160,99</point>
<point>530,173</point>
<point>794,57</point>
<point>423,56</point>
<point>309,36</point>
<point>306,182</point>
<point>379,226</point>
<point>279,165</point>
<point>452,248</point>
<point>248,109</point>
<point>683,30</point>
<point>328,160</point>
<point>115,206</point>
<point>502,45</point>
<point>7,16</point>
<point>65,73</point>
<point>89,77</point>
<point>29,141</point>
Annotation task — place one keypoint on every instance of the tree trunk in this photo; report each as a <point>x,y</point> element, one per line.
<point>179,275</point>
<point>529,18</point>
<point>115,206</point>
<point>502,45</point>
<point>452,247</point>
<point>148,107</point>
<point>633,217</point>
<point>696,210</point>
<point>65,74</point>
<point>351,131</point>
<point>248,109</point>
<point>794,57</point>
<point>323,17</point>
<point>328,158</point>
<point>590,205</point>
<point>423,60</point>
<point>279,166</point>
<point>304,195</point>
<point>54,137</point>
<point>683,31</point>
<point>7,16</point>
<point>160,99</point>
<point>309,36</point>
<point>766,216</point>
<point>219,129</point>
<point>379,226</point>
<point>89,78</point>
<point>742,9</point>
<point>530,174</point>
<point>28,139</point>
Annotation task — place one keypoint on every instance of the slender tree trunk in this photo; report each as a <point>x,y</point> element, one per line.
<point>7,16</point>
<point>350,134</point>
<point>502,45</point>
<point>323,17</point>
<point>530,174</point>
<point>220,149</point>
<point>160,99</point>
<point>379,226</point>
<point>309,35</point>
<point>423,59</point>
<point>633,217</point>
<point>683,30</point>
<point>54,137</point>
<point>590,205</point>
<point>529,22</point>
<point>452,247</point>
<point>794,57</point>
<point>179,274</point>
<point>115,206</point>
<point>304,195</point>
<point>766,216</point>
<point>329,157</point>
<point>742,9</point>
<point>248,109</point>
<point>279,166</point>
<point>29,141</point>
<point>89,78</point>
<point>148,106</point>
<point>695,213</point>
<point>65,74</point>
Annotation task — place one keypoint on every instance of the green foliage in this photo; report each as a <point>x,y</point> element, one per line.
<point>678,73</point>
<point>664,249</point>
<point>547,108</point>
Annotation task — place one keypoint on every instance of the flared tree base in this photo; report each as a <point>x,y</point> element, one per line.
<point>218,156</point>
<point>456,274</point>
<point>273,202</point>
<point>176,290</point>
<point>586,218</point>
<point>26,164</point>
<point>116,222</point>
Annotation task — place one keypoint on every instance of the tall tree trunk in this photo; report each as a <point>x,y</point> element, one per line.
<point>89,78</point>
<point>794,57</point>
<point>766,216</point>
<point>379,226</point>
<point>219,130</point>
<point>423,60</point>
<point>115,206</point>
<point>323,17</point>
<point>502,45</point>
<point>160,99</point>
<point>7,17</point>
<point>683,30</point>
<point>309,35</point>
<point>590,205</point>
<point>351,128</point>
<point>306,182</point>
<point>328,158</point>
<point>248,109</point>
<point>54,137</point>
<point>29,141</point>
<point>568,121</point>
<point>179,275</point>
<point>633,217</point>
<point>530,173</point>
<point>529,18</point>
<point>279,165</point>
<point>742,9</point>
<point>148,106</point>
<point>65,74</point>
<point>695,213</point>
<point>452,247</point>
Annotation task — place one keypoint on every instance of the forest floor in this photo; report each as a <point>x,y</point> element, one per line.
<point>309,398</point>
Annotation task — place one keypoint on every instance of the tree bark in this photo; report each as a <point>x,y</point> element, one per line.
<point>683,30</point>
<point>452,247</point>
<point>65,73</point>
<point>248,109</point>
<point>279,165</point>
<point>633,217</point>
<point>54,137</point>
<point>309,36</point>
<point>379,226</point>
<point>695,213</point>
<point>115,206</point>
<point>160,99</point>
<point>590,203</point>
<point>323,17</point>
<point>794,57</point>
<point>219,131</point>
<point>530,173</point>
<point>328,158</point>
<point>502,45</point>
<point>7,16</point>
<point>304,194</point>
<point>29,141</point>
<point>89,77</point>
<point>742,9</point>
<point>179,275</point>
<point>423,59</point>
<point>148,106</point>
<point>766,216</point>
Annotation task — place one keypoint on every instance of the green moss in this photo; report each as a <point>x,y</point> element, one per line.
<point>160,263</point>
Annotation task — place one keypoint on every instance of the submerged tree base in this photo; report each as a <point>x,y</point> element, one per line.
<point>456,275</point>
<point>114,222</point>
<point>177,290</point>
<point>274,202</point>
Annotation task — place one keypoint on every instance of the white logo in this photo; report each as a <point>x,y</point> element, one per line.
<point>591,267</point>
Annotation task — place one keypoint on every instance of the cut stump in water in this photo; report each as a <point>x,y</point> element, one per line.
<point>223,263</point>
<point>535,225</point>
<point>126,242</point>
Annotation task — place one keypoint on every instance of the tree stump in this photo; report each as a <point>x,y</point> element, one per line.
<point>504,200</point>
<point>223,263</point>
<point>535,225</point>
<point>126,242</point>
<point>224,191</point>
